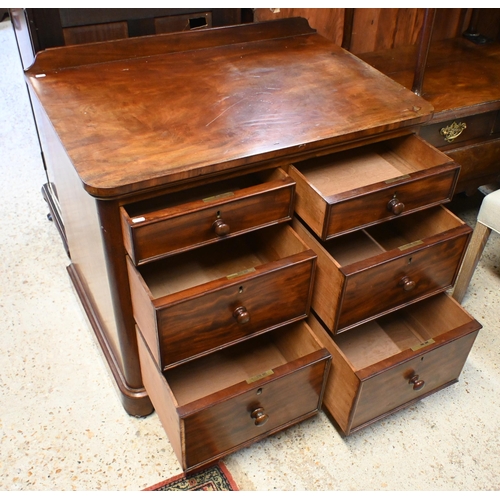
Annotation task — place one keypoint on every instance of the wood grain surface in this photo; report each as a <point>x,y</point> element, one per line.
<point>137,123</point>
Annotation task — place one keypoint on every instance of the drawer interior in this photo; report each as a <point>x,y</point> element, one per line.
<point>360,167</point>
<point>414,227</point>
<point>240,362</point>
<point>206,193</point>
<point>390,235</point>
<point>409,328</point>
<point>227,258</point>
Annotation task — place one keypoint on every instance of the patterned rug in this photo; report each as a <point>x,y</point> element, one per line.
<point>215,478</point>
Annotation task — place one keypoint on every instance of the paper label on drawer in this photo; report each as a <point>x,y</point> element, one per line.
<point>138,219</point>
<point>240,273</point>
<point>218,197</point>
<point>397,179</point>
<point>423,344</point>
<point>409,245</point>
<point>258,377</point>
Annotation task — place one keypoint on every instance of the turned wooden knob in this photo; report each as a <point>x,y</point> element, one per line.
<point>220,227</point>
<point>407,283</point>
<point>417,384</point>
<point>395,206</point>
<point>241,315</point>
<point>259,416</point>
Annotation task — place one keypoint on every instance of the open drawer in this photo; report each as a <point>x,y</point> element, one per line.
<point>389,363</point>
<point>345,191</point>
<point>367,273</point>
<point>195,302</point>
<point>176,222</point>
<point>216,404</point>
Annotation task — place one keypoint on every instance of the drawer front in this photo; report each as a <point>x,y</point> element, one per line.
<point>424,373</point>
<point>290,395</point>
<point>452,132</point>
<point>369,209</point>
<point>166,231</point>
<point>480,164</point>
<point>374,290</point>
<point>227,314</point>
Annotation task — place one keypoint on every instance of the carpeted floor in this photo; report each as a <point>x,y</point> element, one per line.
<point>62,426</point>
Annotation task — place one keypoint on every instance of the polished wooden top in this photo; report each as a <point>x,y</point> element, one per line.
<point>139,113</point>
<point>461,78</point>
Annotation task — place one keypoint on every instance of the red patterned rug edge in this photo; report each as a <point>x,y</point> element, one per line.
<point>229,477</point>
<point>183,475</point>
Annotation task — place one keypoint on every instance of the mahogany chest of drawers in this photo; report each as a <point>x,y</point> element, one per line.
<point>207,180</point>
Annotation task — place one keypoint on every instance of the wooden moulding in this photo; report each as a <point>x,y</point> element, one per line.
<point>113,50</point>
<point>372,364</point>
<point>135,401</point>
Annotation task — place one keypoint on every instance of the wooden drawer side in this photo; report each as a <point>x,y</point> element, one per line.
<point>342,385</point>
<point>309,203</point>
<point>162,398</point>
<point>329,282</point>
<point>143,310</point>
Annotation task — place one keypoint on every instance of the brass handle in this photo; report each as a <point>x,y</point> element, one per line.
<point>407,283</point>
<point>259,416</point>
<point>395,206</point>
<point>241,315</point>
<point>417,384</point>
<point>451,132</point>
<point>220,227</point>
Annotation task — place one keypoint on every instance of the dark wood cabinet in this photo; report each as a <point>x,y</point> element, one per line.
<point>458,75</point>
<point>39,29</point>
